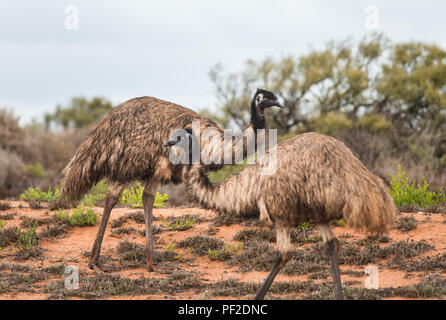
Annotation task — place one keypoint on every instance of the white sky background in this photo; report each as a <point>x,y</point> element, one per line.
<point>125,49</point>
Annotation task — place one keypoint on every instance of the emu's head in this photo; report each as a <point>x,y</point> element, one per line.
<point>262,100</point>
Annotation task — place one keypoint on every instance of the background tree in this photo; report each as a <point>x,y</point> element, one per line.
<point>81,113</point>
<point>387,101</point>
<point>404,82</point>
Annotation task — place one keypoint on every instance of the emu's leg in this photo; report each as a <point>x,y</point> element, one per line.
<point>283,243</point>
<point>332,247</point>
<point>148,198</point>
<point>113,195</point>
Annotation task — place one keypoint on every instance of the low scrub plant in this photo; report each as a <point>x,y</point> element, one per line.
<point>36,194</point>
<point>133,197</point>
<point>80,216</point>
<point>179,224</point>
<point>26,239</point>
<point>224,253</point>
<point>405,193</point>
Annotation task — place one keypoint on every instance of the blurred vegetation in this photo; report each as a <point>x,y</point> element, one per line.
<point>80,113</point>
<point>386,101</point>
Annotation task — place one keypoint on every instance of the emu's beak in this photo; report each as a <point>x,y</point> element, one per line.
<point>274,103</point>
<point>171,143</point>
<point>277,104</point>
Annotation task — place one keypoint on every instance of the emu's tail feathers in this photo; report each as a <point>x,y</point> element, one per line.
<point>371,208</point>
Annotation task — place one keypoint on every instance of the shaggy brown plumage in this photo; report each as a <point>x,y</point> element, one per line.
<point>317,179</point>
<point>127,145</point>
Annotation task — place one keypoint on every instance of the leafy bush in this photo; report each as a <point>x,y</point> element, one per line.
<point>37,194</point>
<point>405,193</point>
<point>2,224</point>
<point>133,197</point>
<point>79,217</point>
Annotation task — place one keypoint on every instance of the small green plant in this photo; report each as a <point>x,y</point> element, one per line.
<point>133,197</point>
<point>224,253</point>
<point>305,225</point>
<point>179,224</point>
<point>231,250</point>
<point>171,248</point>
<point>80,216</point>
<point>213,254</point>
<point>2,224</point>
<point>36,194</point>
<point>338,223</point>
<point>405,193</point>
<point>26,239</point>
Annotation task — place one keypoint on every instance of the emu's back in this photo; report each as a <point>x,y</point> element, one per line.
<point>127,144</point>
<point>319,179</point>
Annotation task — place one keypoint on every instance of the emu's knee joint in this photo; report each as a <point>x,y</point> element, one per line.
<point>285,257</point>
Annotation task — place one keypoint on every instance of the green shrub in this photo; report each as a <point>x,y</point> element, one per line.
<point>213,254</point>
<point>2,224</point>
<point>133,197</point>
<point>80,217</point>
<point>405,193</point>
<point>37,194</point>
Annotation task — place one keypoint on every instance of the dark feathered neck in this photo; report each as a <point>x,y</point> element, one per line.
<point>257,117</point>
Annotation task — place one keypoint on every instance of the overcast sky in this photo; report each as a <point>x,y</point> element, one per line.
<point>123,49</point>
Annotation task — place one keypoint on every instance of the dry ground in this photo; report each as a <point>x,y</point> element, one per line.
<point>411,261</point>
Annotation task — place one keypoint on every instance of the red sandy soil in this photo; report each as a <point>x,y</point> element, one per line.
<point>71,250</point>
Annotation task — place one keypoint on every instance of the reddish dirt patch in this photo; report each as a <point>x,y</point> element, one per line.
<point>73,249</point>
